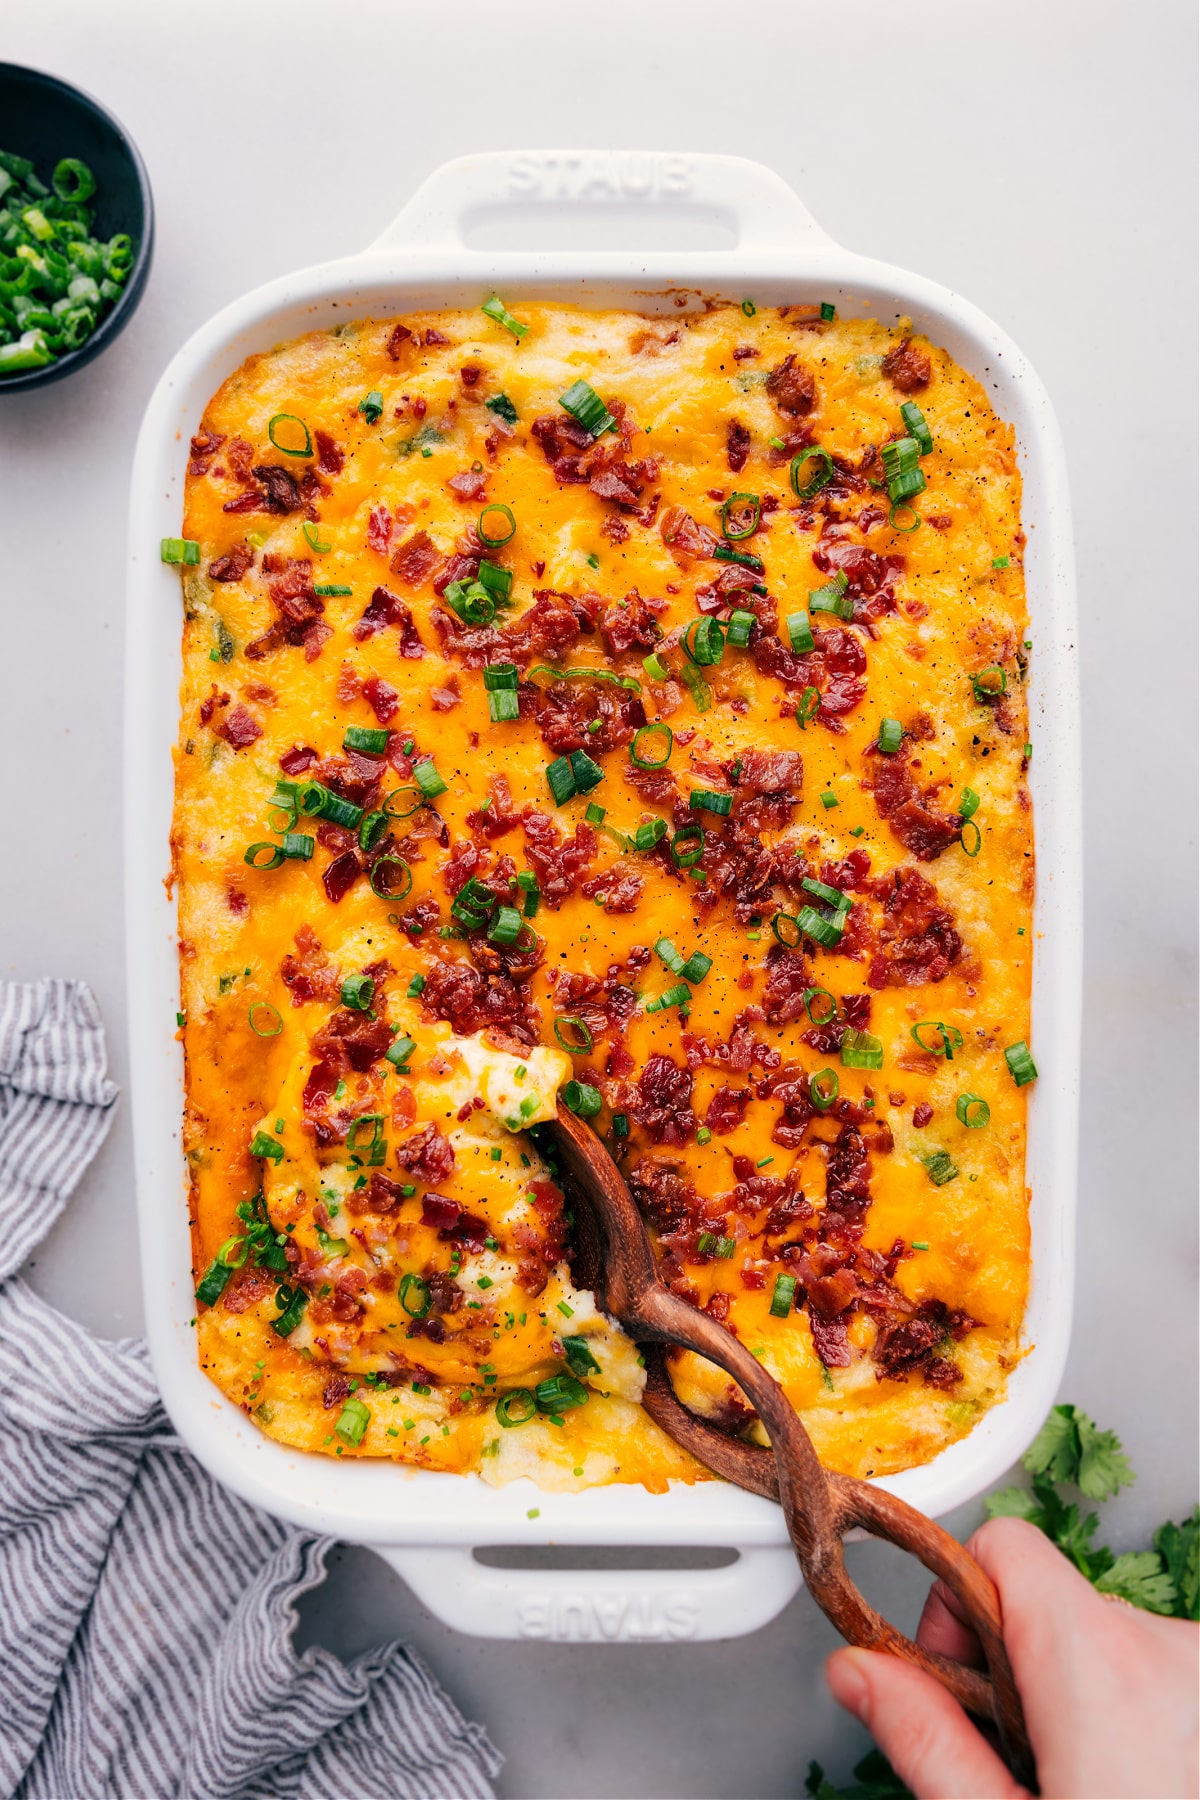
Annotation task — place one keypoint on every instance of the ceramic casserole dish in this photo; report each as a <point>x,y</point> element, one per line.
<point>426,1524</point>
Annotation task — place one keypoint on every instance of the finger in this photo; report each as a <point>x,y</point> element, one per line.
<point>943,1629</point>
<point>925,1735</point>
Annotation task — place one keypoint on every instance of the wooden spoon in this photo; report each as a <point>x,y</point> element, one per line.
<point>615,1258</point>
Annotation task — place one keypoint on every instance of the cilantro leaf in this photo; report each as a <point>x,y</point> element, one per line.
<point>1139,1577</point>
<point>817,1784</point>
<point>1055,1450</point>
<point>1015,1503</point>
<point>1103,1468</point>
<point>1179,1547</point>
<point>875,1780</point>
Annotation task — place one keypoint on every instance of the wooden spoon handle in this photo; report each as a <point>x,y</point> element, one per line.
<point>816,1522</point>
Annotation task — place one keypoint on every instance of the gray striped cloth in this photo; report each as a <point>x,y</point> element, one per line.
<point>146,1615</point>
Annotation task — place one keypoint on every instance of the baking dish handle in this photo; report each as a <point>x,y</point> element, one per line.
<point>598,1606</point>
<point>760,207</point>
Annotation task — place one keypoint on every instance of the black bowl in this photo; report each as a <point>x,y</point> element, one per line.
<point>46,119</point>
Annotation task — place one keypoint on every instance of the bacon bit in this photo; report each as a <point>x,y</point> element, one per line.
<point>792,387</point>
<point>939,521</point>
<point>442,699</point>
<point>621,890</point>
<point>922,1115</point>
<point>404,1108</point>
<point>237,902</point>
<point>233,565</point>
<point>837,668</point>
<point>558,862</point>
<point>918,941</point>
<point>280,488</point>
<point>311,975</point>
<point>912,819</point>
<point>469,374</point>
<point>204,447</point>
<point>330,455</point>
<point>381,697</point>
<point>725,1109</point>
<point>428,1155</point>
<point>684,538</point>
<point>433,337</point>
<point>664,1100</point>
<point>379,530</point>
<point>737,441</point>
<point>315,639</point>
<point>400,334</point>
<point>385,609</point>
<point>415,559</point>
<point>246,1289</point>
<point>633,622</point>
<point>498,817</point>
<point>348,685</point>
<point>239,728</point>
<point>909,1348</point>
<point>906,367</point>
<point>471,1001</point>
<point>613,528</point>
<point>468,484</point>
<point>339,876</point>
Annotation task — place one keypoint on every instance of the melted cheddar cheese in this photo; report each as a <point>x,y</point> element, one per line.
<point>434,936</point>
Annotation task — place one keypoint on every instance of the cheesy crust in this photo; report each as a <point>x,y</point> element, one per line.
<point>675,759</point>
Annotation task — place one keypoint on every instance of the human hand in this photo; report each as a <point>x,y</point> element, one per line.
<point>1109,1691</point>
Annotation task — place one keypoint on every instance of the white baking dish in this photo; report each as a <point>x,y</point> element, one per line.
<point>428,1524</point>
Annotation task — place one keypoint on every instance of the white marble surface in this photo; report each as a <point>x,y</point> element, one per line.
<point>1037,157</point>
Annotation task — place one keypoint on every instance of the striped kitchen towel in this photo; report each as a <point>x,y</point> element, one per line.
<point>146,1615</point>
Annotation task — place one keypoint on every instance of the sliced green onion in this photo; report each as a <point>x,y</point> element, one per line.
<point>272,860</point>
<point>940,1167</point>
<point>704,641</point>
<point>471,601</point>
<point>906,487</point>
<point>860,1050</point>
<point>371,406</point>
<point>297,846</point>
<point>989,684</point>
<point>493,540</point>
<point>496,309</point>
<point>891,732</point>
<point>558,1393</point>
<point>72,180</point>
<point>262,1144</point>
<point>402,1047</point>
<point>381,878</point>
<point>743,558</point>
<point>687,834</point>
<point>375,1121</point>
<point>212,1284</point>
<point>699,689</point>
<point>516,1407</point>
<point>833,598</point>
<point>503,408</point>
<point>498,677</point>
<point>582,1100</point>
<point>972,1112</point>
<point>290,419</point>
<point>645,735</point>
<point>402,802</point>
<point>918,429</point>
<point>595,815</point>
<point>366,738</point>
<point>427,778</point>
<point>655,667</point>
<point>585,773</point>
<point>828,310</point>
<point>738,630</point>
<point>580,1360</point>
<point>584,674</point>
<point>822,477</point>
<point>740,516</point>
<point>322,803</point>
<point>497,580</point>
<point>665,950</point>
<point>821,891</point>
<point>969,804</point>
<point>371,830</point>
<point>649,833</point>
<point>414,1295</point>
<point>781,1299</point>
<point>331,590</point>
<point>904,518</point>
<point>180,550</point>
<point>506,927</point>
<point>749,308</point>
<point>579,1038</point>
<point>312,537</point>
<point>828,799</point>
<point>1000,562</point>
<point>809,706</point>
<point>357,992</point>
<point>707,800</point>
<point>696,967</point>
<point>503,706</point>
<point>585,405</point>
<point>620,1125</point>
<point>292,1302</point>
<point>826,1015</point>
<point>786,929</point>
<point>674,996</point>
<point>816,926</point>
<point>270,1020</point>
<point>1020,1064</point>
<point>799,630</point>
<point>970,837</point>
<point>947,1038</point>
<point>823,1088</point>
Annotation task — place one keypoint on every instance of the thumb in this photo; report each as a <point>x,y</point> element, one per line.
<point>923,1732</point>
